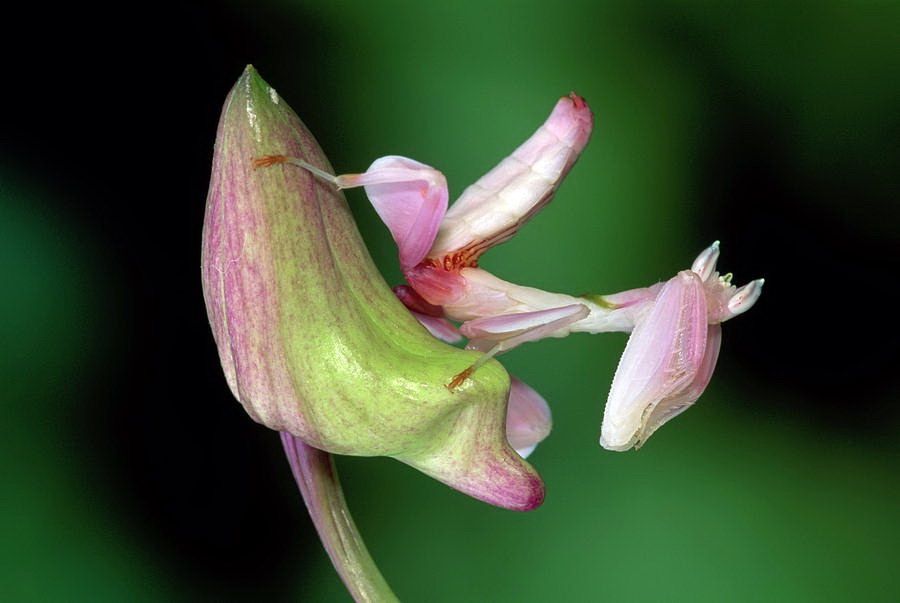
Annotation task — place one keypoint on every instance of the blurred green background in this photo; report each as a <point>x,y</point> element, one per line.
<point>129,473</point>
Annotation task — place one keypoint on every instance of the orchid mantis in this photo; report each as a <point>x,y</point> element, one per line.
<point>439,248</point>
<point>673,350</point>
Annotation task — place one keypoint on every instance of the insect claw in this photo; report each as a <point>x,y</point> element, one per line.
<point>460,378</point>
<point>268,161</point>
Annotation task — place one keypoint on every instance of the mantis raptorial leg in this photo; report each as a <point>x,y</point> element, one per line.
<point>508,331</point>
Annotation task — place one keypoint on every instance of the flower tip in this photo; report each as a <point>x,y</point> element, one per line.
<point>478,467</point>
<point>254,90</point>
<point>537,498</point>
<point>255,115</point>
<point>529,497</point>
<point>250,75</point>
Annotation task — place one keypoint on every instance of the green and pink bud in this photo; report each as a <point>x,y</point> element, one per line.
<point>312,340</point>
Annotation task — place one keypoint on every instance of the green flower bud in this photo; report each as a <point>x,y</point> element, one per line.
<point>312,340</point>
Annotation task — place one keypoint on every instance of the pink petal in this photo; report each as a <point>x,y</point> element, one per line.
<point>662,358</point>
<point>415,302</point>
<point>428,315</point>
<point>528,419</point>
<point>491,211</point>
<point>410,198</point>
<point>435,285</point>
<point>441,328</point>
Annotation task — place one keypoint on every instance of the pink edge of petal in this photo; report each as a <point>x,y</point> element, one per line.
<point>497,477</point>
<point>528,418</point>
<point>501,482</point>
<point>517,495</point>
<point>441,328</point>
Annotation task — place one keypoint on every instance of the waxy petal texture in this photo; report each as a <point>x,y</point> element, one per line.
<point>311,339</point>
<point>528,420</point>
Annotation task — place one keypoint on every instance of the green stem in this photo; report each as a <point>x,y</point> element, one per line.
<point>317,478</point>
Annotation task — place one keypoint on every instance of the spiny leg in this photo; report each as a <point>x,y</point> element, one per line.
<point>511,330</point>
<point>270,160</point>
<point>410,198</point>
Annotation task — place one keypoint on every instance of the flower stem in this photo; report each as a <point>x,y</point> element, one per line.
<point>317,478</point>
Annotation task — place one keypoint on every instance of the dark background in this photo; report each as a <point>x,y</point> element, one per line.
<point>129,472</point>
